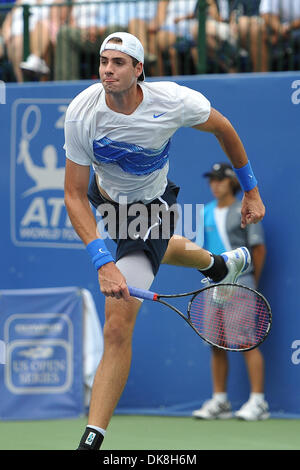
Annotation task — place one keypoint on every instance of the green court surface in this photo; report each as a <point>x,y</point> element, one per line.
<point>155,433</point>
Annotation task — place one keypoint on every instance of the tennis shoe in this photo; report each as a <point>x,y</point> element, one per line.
<point>253,410</point>
<point>237,262</point>
<point>214,409</point>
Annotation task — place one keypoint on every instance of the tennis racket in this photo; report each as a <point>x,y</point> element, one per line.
<point>229,316</point>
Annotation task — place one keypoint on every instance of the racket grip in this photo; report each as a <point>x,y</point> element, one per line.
<point>141,293</point>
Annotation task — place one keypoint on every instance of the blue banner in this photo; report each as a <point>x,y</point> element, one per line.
<point>43,374</point>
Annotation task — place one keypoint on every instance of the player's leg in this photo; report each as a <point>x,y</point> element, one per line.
<point>183,252</point>
<point>113,370</point>
<point>225,267</point>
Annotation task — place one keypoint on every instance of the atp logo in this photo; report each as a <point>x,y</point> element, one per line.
<point>38,213</point>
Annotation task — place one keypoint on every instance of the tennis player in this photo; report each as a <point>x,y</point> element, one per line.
<point>122,127</point>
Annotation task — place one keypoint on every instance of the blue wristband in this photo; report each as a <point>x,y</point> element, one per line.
<point>99,253</point>
<point>246,177</point>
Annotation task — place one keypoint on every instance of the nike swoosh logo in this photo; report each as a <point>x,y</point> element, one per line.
<point>158,115</point>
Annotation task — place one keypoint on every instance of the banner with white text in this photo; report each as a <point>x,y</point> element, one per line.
<point>43,374</point>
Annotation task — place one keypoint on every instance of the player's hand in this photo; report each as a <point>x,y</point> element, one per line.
<point>112,282</point>
<point>253,209</point>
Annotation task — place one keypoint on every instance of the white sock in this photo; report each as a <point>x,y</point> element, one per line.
<point>220,396</point>
<point>258,397</point>
<point>102,431</point>
<point>210,265</point>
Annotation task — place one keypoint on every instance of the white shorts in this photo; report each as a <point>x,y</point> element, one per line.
<point>137,270</point>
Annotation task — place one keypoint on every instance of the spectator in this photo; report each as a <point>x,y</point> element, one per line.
<point>82,35</point>
<point>42,21</point>
<point>246,28</point>
<point>233,29</point>
<point>218,35</point>
<point>146,19</point>
<point>184,32</point>
<point>222,231</point>
<point>90,23</point>
<point>281,32</point>
<point>178,23</point>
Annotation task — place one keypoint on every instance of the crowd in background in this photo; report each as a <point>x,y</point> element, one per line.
<point>65,37</point>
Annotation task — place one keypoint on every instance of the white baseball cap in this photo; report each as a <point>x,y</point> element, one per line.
<point>130,45</point>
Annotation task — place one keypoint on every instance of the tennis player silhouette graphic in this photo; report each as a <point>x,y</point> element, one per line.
<point>48,176</point>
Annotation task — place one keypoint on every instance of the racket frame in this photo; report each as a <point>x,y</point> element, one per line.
<point>158,297</point>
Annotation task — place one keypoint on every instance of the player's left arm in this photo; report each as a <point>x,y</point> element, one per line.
<point>253,209</point>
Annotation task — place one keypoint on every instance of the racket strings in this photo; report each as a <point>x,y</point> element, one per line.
<point>230,316</point>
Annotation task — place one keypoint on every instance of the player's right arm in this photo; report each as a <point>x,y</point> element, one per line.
<point>77,204</point>
<point>111,280</point>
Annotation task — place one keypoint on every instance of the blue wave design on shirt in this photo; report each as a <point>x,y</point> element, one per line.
<point>130,157</point>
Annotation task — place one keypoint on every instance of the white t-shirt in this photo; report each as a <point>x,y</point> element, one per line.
<point>288,10</point>
<point>130,153</point>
